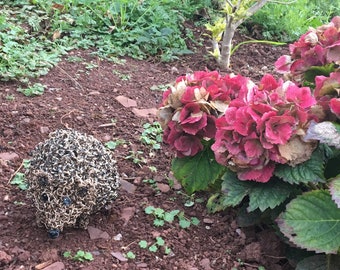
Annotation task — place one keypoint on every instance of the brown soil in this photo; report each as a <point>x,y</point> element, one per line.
<point>82,95</point>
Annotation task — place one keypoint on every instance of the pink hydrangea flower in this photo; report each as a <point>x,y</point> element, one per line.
<point>317,47</point>
<point>190,108</point>
<point>250,132</point>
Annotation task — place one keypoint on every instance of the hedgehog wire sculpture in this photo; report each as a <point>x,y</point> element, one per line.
<point>71,176</point>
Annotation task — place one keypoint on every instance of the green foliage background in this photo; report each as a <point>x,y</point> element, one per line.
<point>288,22</point>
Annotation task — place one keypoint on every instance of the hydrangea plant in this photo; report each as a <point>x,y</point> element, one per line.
<point>271,145</point>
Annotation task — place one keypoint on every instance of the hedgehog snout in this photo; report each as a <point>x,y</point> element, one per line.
<point>53,233</point>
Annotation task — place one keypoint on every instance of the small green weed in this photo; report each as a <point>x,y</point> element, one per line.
<point>136,157</point>
<point>152,135</point>
<point>160,87</point>
<point>153,184</point>
<point>74,59</point>
<point>80,256</point>
<point>19,178</point>
<point>10,97</point>
<point>123,77</point>
<point>20,181</point>
<point>154,247</point>
<point>36,89</point>
<point>130,255</point>
<point>114,144</point>
<point>161,216</point>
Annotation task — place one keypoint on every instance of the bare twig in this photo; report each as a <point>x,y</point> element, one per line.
<point>11,177</point>
<point>71,78</point>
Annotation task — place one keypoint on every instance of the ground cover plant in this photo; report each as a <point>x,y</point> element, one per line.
<point>271,146</point>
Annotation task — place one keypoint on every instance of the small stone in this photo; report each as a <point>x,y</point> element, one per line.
<point>118,237</point>
<point>205,263</point>
<point>127,186</point>
<point>44,130</point>
<point>95,233</point>
<point>126,102</point>
<point>208,221</point>
<point>94,93</point>
<point>9,156</point>
<point>142,265</point>
<point>119,256</point>
<point>146,113</point>
<point>5,258</point>
<point>55,266</point>
<point>127,214</point>
<point>24,256</point>
<point>163,187</point>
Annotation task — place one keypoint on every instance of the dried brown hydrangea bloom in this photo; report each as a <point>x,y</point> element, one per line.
<point>71,176</point>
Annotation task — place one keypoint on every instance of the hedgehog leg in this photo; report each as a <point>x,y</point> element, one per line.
<point>83,221</point>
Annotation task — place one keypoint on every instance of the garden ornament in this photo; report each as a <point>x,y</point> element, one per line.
<point>71,176</point>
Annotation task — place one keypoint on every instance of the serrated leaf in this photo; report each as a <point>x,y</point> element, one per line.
<point>195,221</point>
<point>334,189</point>
<point>317,262</point>
<point>130,255</point>
<point>159,212</point>
<point>312,221</point>
<point>143,244</point>
<point>88,256</point>
<point>197,172</point>
<point>233,191</point>
<point>149,210</point>
<point>268,195</point>
<point>67,254</point>
<point>153,248</point>
<point>170,216</point>
<point>183,223</point>
<point>308,171</point>
<point>160,241</point>
<point>158,222</point>
<point>167,250</point>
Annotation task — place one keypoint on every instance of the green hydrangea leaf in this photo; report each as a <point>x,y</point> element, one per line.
<point>268,195</point>
<point>309,171</point>
<point>334,189</point>
<point>312,221</point>
<point>317,262</point>
<point>262,196</point>
<point>232,193</point>
<point>197,172</point>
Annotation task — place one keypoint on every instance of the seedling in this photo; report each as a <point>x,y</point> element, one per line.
<point>152,135</point>
<point>10,97</point>
<point>74,59</point>
<point>154,247</point>
<point>36,89</point>
<point>153,184</point>
<point>130,255</point>
<point>161,216</point>
<point>20,181</point>
<point>80,256</point>
<point>160,87</point>
<point>136,157</point>
<point>113,144</point>
<point>123,77</point>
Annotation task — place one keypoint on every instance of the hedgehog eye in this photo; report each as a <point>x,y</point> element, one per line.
<point>44,197</point>
<point>67,201</point>
<point>43,181</point>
